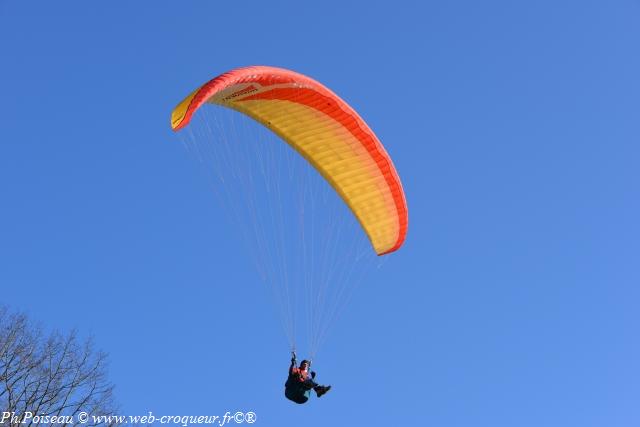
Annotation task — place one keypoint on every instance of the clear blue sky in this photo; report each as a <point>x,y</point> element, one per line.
<point>514,126</point>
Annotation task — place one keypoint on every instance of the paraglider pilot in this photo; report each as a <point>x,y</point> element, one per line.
<point>301,381</point>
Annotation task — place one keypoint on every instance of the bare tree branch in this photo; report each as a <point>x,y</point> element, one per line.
<point>57,375</point>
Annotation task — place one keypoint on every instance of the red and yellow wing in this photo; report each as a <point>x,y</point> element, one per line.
<point>326,131</point>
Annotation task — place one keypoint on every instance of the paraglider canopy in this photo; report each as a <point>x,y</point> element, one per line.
<point>326,131</point>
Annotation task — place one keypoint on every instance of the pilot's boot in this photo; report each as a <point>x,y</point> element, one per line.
<point>321,389</point>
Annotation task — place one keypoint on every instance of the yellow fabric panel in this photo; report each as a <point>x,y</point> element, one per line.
<point>339,157</point>
<point>177,115</point>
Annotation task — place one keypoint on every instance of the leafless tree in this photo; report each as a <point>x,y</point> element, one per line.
<point>49,375</point>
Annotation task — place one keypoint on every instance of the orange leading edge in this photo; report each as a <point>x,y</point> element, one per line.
<point>326,131</point>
